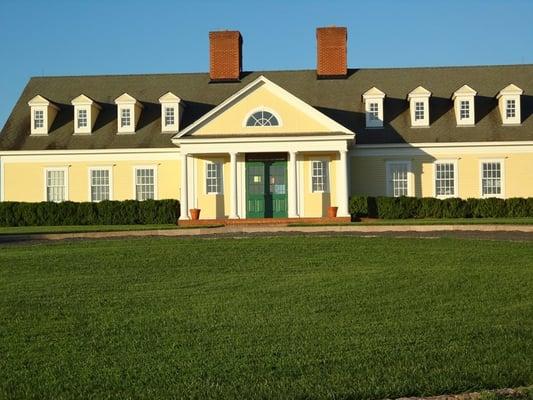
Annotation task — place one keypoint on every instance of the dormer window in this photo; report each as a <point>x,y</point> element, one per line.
<point>169,116</point>
<point>82,118</point>
<point>510,109</point>
<point>171,110</point>
<point>509,104</point>
<point>86,111</point>
<point>419,107</point>
<point>419,111</point>
<point>125,117</point>
<point>43,113</point>
<point>463,99</point>
<point>38,119</point>
<point>128,113</point>
<point>373,99</point>
<point>464,113</point>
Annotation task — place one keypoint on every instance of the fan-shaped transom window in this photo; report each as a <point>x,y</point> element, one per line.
<point>262,118</point>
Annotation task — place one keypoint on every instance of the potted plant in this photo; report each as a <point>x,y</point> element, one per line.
<point>332,211</point>
<point>195,213</point>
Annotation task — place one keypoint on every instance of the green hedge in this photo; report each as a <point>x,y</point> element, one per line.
<point>128,212</point>
<point>429,207</point>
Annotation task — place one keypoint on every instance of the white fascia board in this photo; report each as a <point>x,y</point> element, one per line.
<point>262,139</point>
<point>89,151</point>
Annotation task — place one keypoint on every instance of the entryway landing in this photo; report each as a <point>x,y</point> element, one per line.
<point>264,221</point>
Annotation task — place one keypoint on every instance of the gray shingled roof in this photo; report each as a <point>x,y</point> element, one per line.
<point>340,99</point>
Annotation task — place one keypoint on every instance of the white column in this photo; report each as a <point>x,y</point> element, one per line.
<point>342,185</point>
<point>184,200</point>
<point>292,185</point>
<point>234,214</point>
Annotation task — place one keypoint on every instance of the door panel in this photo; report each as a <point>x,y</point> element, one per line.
<point>266,189</point>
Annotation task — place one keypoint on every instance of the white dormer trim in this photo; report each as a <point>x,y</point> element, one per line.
<point>372,98</point>
<point>171,102</point>
<point>43,112</point>
<point>132,108</point>
<point>510,95</point>
<point>85,104</point>
<point>421,96</point>
<point>464,106</point>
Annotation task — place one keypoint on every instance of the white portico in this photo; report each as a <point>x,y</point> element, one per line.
<point>264,153</point>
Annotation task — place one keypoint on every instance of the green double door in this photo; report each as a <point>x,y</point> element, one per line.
<point>266,188</point>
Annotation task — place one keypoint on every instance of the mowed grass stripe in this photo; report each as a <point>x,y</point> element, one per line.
<point>279,317</point>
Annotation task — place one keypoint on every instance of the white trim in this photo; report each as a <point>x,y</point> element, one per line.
<point>98,168</point>
<point>444,144</point>
<point>410,177</point>
<point>45,173</point>
<point>502,177</point>
<point>90,151</point>
<point>2,177</point>
<point>289,97</point>
<point>147,166</point>
<point>327,159</point>
<point>455,178</point>
<point>262,108</point>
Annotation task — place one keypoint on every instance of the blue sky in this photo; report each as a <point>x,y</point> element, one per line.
<point>78,37</point>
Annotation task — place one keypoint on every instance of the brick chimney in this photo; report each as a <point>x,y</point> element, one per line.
<point>331,52</point>
<point>225,56</point>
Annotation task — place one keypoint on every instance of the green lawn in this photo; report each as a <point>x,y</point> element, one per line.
<point>19,230</point>
<point>280,317</point>
<point>430,221</point>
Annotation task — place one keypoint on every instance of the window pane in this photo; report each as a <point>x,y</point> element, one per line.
<point>491,179</point>
<point>398,179</point>
<point>262,118</point>
<point>319,176</point>
<point>100,185</point>
<point>445,179</point>
<point>144,184</point>
<point>55,185</point>
<point>213,178</point>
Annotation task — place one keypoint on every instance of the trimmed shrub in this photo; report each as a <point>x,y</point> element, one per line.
<point>128,212</point>
<point>429,207</point>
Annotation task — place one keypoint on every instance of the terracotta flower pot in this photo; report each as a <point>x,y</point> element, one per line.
<point>195,213</point>
<point>332,212</point>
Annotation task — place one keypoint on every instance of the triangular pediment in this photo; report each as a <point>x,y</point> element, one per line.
<point>464,90</point>
<point>373,93</point>
<point>169,97</point>
<point>511,89</point>
<point>420,91</point>
<point>125,98</point>
<point>83,100</point>
<point>292,115</point>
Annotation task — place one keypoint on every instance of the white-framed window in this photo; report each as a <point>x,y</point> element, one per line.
<point>373,111</point>
<point>169,116</point>
<point>213,177</point>
<point>445,179</point>
<point>419,110</point>
<point>100,184</point>
<point>491,178</point>
<point>56,184</point>
<point>82,118</point>
<point>125,117</point>
<point>145,183</point>
<point>510,109</point>
<point>38,119</point>
<point>319,176</point>
<point>262,118</point>
<point>465,109</point>
<point>398,182</point>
